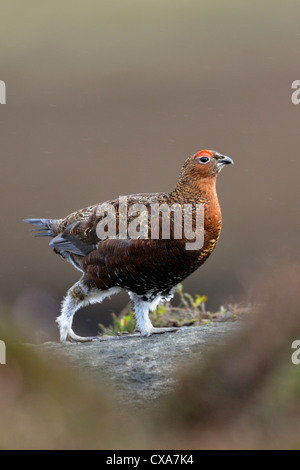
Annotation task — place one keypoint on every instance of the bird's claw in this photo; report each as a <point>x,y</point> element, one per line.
<point>79,339</point>
<point>154,330</point>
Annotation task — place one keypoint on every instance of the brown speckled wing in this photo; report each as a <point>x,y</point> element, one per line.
<point>82,225</point>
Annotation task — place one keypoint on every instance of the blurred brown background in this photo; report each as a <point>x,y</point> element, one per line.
<point>109,98</point>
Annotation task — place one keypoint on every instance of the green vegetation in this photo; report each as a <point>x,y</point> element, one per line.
<point>190,310</point>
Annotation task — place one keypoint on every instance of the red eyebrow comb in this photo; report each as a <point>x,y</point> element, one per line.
<point>204,153</point>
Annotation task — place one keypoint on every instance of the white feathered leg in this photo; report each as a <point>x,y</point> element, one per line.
<point>77,297</point>
<point>143,322</point>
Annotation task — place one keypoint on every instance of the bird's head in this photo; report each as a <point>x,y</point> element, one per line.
<point>201,169</point>
<point>206,163</point>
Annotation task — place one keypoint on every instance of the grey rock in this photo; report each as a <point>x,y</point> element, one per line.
<point>140,369</point>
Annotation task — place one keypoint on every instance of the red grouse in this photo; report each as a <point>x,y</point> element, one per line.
<point>124,245</point>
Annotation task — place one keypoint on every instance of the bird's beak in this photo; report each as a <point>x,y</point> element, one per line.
<point>223,160</point>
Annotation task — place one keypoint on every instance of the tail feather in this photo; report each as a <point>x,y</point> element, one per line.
<point>45,227</point>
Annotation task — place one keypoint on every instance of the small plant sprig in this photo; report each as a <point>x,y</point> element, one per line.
<point>120,325</point>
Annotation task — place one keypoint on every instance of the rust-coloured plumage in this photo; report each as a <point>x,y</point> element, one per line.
<point>147,268</point>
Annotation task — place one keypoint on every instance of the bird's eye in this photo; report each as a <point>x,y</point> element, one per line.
<point>204,159</point>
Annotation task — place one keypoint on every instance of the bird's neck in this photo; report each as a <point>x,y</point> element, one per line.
<point>195,191</point>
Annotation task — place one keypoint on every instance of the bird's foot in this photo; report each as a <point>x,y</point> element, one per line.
<point>153,330</point>
<point>73,338</point>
